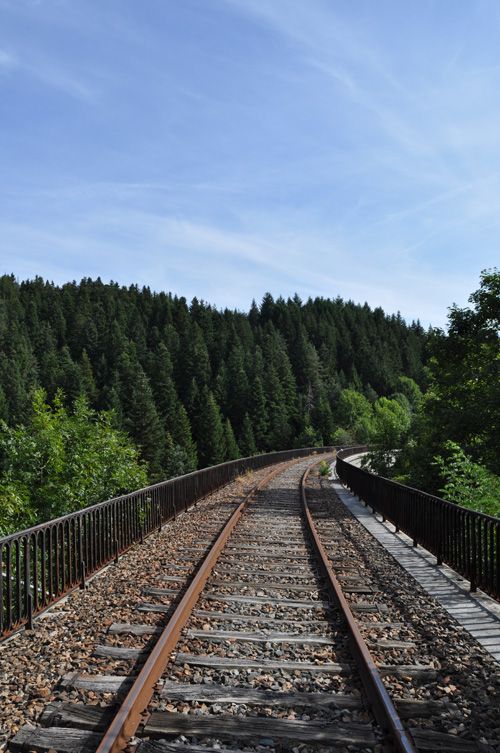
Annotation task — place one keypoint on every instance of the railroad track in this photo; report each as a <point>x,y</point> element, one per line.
<point>262,648</point>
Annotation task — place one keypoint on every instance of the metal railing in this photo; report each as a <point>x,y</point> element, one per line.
<point>466,540</point>
<point>42,564</point>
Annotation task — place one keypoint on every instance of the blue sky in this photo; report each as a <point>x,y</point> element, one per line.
<point>225,148</point>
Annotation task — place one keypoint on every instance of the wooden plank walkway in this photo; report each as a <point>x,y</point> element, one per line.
<point>477,613</point>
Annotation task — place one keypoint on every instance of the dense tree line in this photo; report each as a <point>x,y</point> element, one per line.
<point>193,385</point>
<point>62,460</point>
<point>452,445</point>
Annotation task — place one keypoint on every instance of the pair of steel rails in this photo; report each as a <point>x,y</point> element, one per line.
<point>131,711</point>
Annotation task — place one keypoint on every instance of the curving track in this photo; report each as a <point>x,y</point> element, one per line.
<point>264,649</point>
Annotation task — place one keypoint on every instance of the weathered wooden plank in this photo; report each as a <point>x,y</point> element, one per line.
<point>271,550</point>
<point>119,652</point>
<point>256,696</point>
<point>388,644</point>
<point>97,683</point>
<point>291,603</point>
<point>202,660</point>
<point>153,591</point>
<point>60,739</point>
<point>418,671</point>
<point>126,628</point>
<point>260,637</point>
<point>296,575</point>
<point>160,608</point>
<point>363,606</point>
<point>162,723</point>
<point>267,585</point>
<point>263,619</point>
<point>77,715</point>
<point>242,555</point>
<point>440,741</point>
<point>173,578</point>
<point>163,746</point>
<point>414,709</point>
<point>355,589</point>
<point>267,541</point>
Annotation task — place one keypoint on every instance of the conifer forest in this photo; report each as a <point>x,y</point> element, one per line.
<point>104,389</point>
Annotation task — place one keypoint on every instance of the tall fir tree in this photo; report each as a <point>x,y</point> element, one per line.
<point>247,441</point>
<point>209,429</point>
<point>143,424</point>
<point>231,449</point>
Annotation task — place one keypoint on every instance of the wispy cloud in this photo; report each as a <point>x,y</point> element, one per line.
<point>237,146</point>
<point>48,72</point>
<point>7,60</point>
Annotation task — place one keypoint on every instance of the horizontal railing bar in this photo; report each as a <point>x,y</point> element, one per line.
<point>466,540</point>
<point>41,564</point>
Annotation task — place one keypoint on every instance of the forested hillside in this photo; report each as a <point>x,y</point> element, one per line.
<point>193,385</point>
<point>452,444</point>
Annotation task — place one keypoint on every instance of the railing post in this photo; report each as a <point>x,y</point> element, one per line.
<point>82,575</point>
<point>473,555</point>
<point>29,620</point>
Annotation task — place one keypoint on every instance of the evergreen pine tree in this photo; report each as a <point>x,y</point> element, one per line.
<point>175,462</point>
<point>143,424</point>
<point>4,406</point>
<point>247,442</point>
<point>209,430</point>
<point>279,428</point>
<point>259,415</point>
<point>87,378</point>
<point>237,387</point>
<point>232,451</point>
<point>69,376</point>
<point>96,338</point>
<point>181,432</point>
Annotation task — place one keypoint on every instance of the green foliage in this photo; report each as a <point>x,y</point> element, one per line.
<point>247,440</point>
<point>170,370</point>
<point>143,423</point>
<point>410,389</point>
<point>176,461</point>
<point>354,415</point>
<point>464,393</point>
<point>342,437</point>
<point>390,426</point>
<point>467,483</point>
<point>210,432</point>
<point>324,468</point>
<point>61,461</point>
<point>461,404</point>
<point>15,510</point>
<point>231,449</point>
<point>309,437</point>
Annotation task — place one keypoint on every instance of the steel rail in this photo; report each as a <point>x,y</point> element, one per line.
<point>130,713</point>
<point>381,703</point>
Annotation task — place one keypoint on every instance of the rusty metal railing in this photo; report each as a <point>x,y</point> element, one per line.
<point>42,564</point>
<point>466,540</point>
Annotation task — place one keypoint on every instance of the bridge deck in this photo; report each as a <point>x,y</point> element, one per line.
<point>477,613</point>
